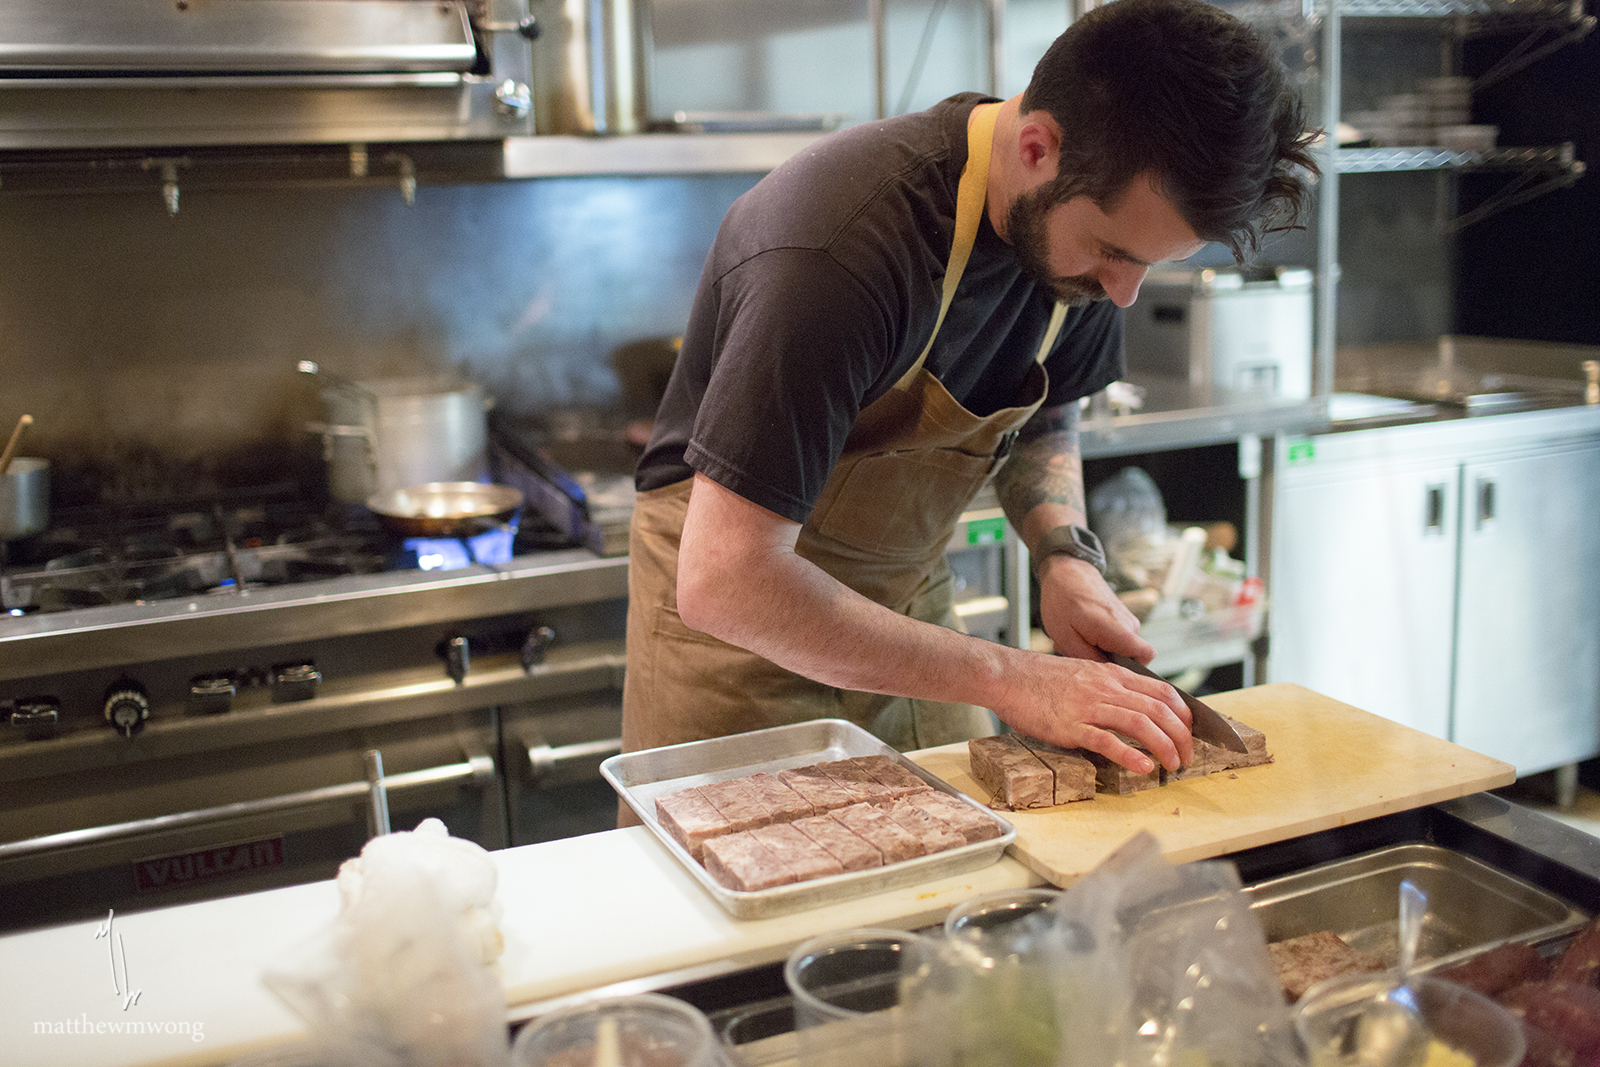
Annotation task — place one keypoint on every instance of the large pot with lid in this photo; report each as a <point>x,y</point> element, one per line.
<point>385,434</point>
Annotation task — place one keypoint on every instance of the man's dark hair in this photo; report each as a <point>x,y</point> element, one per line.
<point>1183,90</point>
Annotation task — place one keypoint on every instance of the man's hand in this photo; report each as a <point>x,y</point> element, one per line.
<point>1078,703</point>
<point>1083,616</point>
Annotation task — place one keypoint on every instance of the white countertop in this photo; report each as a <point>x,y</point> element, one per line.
<point>579,914</point>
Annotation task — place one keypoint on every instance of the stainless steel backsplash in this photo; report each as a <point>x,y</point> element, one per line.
<point>158,353</point>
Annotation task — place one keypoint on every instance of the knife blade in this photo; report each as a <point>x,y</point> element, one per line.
<point>1209,725</point>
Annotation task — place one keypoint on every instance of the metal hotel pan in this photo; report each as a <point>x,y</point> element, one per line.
<point>640,777</point>
<point>1471,906</point>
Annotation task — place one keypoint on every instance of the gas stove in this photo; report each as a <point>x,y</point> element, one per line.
<point>182,686</point>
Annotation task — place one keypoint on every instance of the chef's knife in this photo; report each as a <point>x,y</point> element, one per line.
<point>1209,725</point>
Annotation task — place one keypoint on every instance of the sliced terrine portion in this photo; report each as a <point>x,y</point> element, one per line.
<point>1116,780</point>
<point>857,779</point>
<point>972,824</point>
<point>1209,758</point>
<point>823,792</point>
<point>1074,776</point>
<point>893,840</point>
<point>1255,743</point>
<point>799,853</point>
<point>690,819</point>
<point>891,772</point>
<point>784,804</point>
<point>744,864</point>
<point>1014,777</point>
<point>738,802</point>
<point>935,834</point>
<point>854,852</point>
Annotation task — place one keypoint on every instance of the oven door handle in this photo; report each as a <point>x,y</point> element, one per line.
<point>476,769</point>
<point>545,761</point>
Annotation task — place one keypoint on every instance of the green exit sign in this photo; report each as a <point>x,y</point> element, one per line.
<point>986,531</point>
<point>1303,450</point>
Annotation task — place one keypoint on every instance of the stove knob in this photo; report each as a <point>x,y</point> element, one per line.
<point>127,706</point>
<point>294,681</point>
<point>535,647</point>
<point>457,658</point>
<point>212,694</point>
<point>36,717</point>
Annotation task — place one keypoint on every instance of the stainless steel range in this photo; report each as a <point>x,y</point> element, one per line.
<point>188,698</point>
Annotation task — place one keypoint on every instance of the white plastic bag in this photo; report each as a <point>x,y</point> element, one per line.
<point>405,976</point>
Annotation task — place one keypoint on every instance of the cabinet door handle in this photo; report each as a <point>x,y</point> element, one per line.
<point>1433,510</point>
<point>1485,503</point>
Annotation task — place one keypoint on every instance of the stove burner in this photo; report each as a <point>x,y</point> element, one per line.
<point>91,559</point>
<point>133,559</point>
<point>452,553</point>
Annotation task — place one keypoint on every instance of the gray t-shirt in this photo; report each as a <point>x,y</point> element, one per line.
<point>820,291</point>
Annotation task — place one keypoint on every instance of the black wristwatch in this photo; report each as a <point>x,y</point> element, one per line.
<point>1075,541</point>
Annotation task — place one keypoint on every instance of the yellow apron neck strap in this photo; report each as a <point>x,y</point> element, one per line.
<point>971,203</point>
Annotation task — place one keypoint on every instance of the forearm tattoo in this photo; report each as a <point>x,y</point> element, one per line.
<point>1045,465</point>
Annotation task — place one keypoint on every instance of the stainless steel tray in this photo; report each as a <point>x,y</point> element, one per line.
<point>640,777</point>
<point>1471,906</point>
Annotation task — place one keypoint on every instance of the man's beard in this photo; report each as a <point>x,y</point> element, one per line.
<point>1025,228</point>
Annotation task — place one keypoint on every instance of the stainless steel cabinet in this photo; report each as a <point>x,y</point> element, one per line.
<point>1438,575</point>
<point>1363,575</point>
<point>1527,672</point>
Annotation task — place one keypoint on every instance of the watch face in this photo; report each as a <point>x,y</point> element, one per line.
<point>1074,541</point>
<point>1086,540</point>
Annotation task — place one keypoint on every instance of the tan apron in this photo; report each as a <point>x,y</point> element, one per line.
<point>911,464</point>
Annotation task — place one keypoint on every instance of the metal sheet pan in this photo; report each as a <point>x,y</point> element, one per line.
<point>640,777</point>
<point>1471,906</point>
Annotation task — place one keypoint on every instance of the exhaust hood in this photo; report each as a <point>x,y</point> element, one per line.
<point>154,73</point>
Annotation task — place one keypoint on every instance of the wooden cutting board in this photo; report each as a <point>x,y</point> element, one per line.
<point>1333,764</point>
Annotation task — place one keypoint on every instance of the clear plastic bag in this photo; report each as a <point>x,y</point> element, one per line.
<point>1139,964</point>
<point>1155,965</point>
<point>405,976</point>
<point>1127,512</point>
